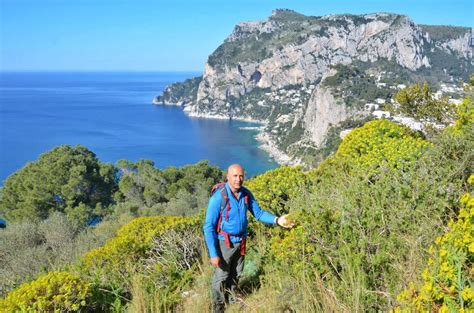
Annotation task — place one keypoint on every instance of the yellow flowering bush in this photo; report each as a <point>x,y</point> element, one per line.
<point>465,115</point>
<point>116,260</point>
<point>53,292</point>
<point>447,281</point>
<point>378,144</point>
<point>273,188</point>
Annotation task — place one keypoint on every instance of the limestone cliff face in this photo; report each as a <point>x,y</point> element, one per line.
<point>323,111</point>
<point>245,76</point>
<point>460,45</point>
<point>453,40</point>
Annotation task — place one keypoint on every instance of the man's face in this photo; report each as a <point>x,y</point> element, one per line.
<point>235,177</point>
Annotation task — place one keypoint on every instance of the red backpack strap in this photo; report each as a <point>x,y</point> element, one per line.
<point>246,196</point>
<point>242,246</point>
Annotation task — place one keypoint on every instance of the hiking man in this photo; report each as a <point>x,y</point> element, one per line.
<point>225,231</point>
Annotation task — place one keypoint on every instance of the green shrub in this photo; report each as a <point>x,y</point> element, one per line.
<point>172,191</point>
<point>53,292</point>
<point>168,268</point>
<point>30,248</point>
<point>22,256</point>
<point>465,115</point>
<point>128,259</point>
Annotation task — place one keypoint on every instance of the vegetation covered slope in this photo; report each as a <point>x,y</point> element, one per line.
<point>366,219</point>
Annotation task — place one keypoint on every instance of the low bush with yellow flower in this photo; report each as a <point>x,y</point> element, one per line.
<point>53,292</point>
<point>115,262</point>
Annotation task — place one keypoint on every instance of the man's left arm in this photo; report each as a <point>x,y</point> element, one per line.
<point>267,217</point>
<point>260,214</point>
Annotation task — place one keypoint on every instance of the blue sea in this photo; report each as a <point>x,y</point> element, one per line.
<point>112,115</point>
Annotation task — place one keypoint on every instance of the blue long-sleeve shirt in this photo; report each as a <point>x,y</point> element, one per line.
<point>237,223</point>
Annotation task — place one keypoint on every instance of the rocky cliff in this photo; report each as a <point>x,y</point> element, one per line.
<point>303,76</point>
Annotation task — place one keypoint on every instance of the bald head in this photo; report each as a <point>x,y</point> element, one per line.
<point>235,176</point>
<point>235,166</point>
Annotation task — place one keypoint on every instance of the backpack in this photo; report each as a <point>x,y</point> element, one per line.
<point>225,205</point>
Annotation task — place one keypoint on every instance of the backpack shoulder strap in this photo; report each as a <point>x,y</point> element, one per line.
<point>225,205</point>
<point>224,199</point>
<point>246,194</point>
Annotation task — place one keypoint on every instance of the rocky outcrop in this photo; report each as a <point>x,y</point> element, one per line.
<point>180,93</point>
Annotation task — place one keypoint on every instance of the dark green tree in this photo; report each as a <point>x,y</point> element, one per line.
<point>65,179</point>
<point>418,101</point>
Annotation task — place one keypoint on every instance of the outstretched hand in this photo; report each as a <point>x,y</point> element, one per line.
<point>285,222</point>
<point>215,261</point>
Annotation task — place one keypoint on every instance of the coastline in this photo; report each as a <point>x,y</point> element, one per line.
<point>266,142</point>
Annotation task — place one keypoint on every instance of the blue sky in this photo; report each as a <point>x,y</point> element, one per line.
<point>162,35</point>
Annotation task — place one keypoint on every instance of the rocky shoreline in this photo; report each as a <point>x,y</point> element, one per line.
<point>268,145</point>
<point>157,101</point>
